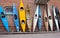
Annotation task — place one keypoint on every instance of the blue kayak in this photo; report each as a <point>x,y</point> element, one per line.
<point>4,19</point>
<point>39,19</point>
<point>16,20</point>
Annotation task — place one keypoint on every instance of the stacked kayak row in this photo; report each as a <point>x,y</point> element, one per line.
<point>48,18</point>
<point>22,18</point>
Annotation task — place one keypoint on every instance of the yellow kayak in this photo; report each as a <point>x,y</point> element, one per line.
<point>28,17</point>
<point>22,16</point>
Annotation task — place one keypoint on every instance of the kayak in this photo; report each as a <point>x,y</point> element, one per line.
<point>39,18</point>
<point>50,20</point>
<point>55,17</point>
<point>16,20</point>
<point>58,15</point>
<point>22,16</point>
<point>35,18</point>
<point>4,19</point>
<point>29,19</point>
<point>45,19</point>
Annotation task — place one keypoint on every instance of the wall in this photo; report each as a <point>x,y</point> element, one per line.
<point>4,3</point>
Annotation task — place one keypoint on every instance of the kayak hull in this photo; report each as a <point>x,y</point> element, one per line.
<point>50,20</point>
<point>39,18</point>
<point>4,19</point>
<point>46,20</point>
<point>35,18</point>
<point>16,20</point>
<point>22,16</point>
<point>29,19</point>
<point>55,18</point>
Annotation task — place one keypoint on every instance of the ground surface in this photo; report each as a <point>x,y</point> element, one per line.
<point>46,35</point>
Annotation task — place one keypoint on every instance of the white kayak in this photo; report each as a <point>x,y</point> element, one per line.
<point>50,20</point>
<point>35,18</point>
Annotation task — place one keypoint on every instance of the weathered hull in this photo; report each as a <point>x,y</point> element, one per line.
<point>29,19</point>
